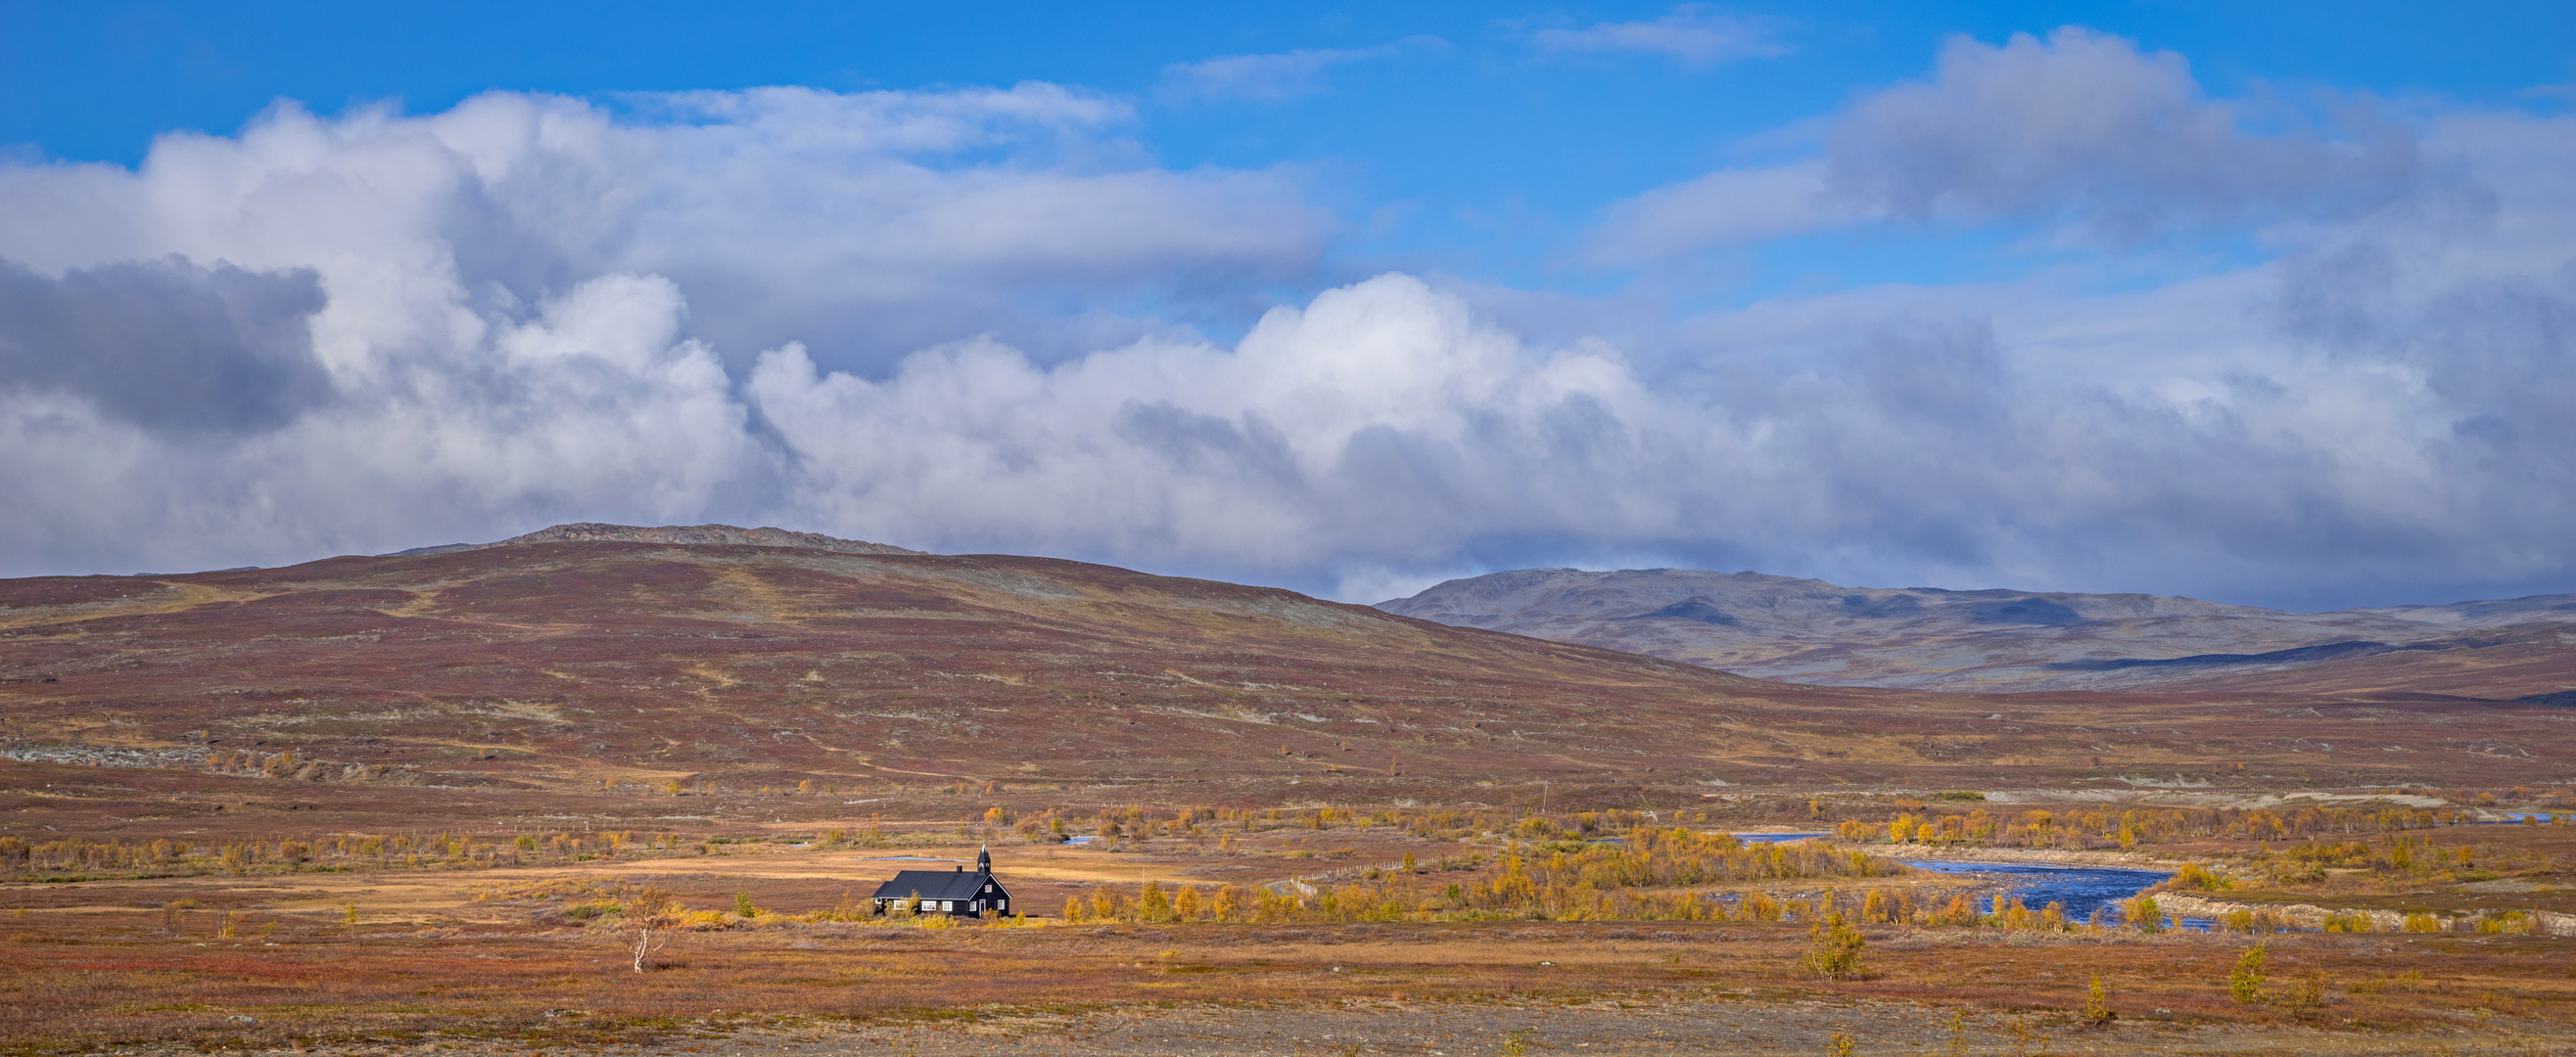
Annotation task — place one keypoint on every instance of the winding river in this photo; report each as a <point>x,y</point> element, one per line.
<point>2083,889</point>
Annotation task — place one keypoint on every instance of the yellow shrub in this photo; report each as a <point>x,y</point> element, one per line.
<point>2193,877</point>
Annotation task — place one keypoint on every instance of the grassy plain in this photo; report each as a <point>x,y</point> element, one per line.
<point>111,984</point>
<point>382,805</point>
<point>457,952</point>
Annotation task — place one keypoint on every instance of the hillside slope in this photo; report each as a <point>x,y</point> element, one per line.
<point>1810,631</point>
<point>650,662</point>
<point>564,665</point>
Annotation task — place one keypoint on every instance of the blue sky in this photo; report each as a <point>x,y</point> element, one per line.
<point>2257,302</point>
<point>1482,150</point>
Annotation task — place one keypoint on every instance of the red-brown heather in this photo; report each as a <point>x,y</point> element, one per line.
<point>371,801</point>
<point>568,664</point>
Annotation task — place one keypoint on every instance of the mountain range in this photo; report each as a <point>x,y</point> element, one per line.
<point>1811,631</point>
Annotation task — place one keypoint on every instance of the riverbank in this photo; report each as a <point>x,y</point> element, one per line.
<point>2187,905</point>
<point>2118,860</point>
<point>2311,916</point>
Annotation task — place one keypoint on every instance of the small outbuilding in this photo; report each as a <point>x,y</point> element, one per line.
<point>957,892</point>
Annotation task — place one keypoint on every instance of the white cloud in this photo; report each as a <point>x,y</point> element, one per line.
<point>511,330</point>
<point>2232,435</point>
<point>1303,444</point>
<point>1724,207</point>
<point>866,225</point>
<point>2085,126</point>
<point>2081,131</point>
<point>516,310</point>
<point>1278,75</point>
<point>1693,33</point>
<point>593,404</point>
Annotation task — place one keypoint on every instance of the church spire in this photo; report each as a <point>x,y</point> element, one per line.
<point>984,860</point>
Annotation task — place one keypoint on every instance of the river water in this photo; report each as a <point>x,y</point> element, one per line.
<point>2082,888</point>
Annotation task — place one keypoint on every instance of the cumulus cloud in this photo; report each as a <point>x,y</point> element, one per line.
<point>1692,33</point>
<point>867,224</point>
<point>592,403</point>
<point>2084,125</point>
<point>1382,419</point>
<point>2213,437</point>
<point>2081,131</point>
<point>463,325</point>
<point>1278,75</point>
<point>518,309</point>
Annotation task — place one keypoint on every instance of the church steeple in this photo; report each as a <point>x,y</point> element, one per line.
<point>984,860</point>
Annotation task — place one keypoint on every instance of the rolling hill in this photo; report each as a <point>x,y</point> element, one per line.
<point>623,660</point>
<point>1810,631</point>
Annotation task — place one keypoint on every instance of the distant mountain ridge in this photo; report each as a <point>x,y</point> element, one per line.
<point>720,535</point>
<point>1811,631</point>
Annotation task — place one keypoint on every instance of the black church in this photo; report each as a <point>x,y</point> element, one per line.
<point>958,892</point>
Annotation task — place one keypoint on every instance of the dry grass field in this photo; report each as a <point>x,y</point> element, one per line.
<point>343,953</point>
<point>493,987</point>
<point>421,804</point>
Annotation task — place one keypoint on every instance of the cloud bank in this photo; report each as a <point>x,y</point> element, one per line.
<point>2080,132</point>
<point>165,344</point>
<point>891,316</point>
<point>868,224</point>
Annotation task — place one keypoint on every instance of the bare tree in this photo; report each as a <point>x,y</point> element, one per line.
<point>653,915</point>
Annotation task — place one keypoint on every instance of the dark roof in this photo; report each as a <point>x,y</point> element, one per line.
<point>934,884</point>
